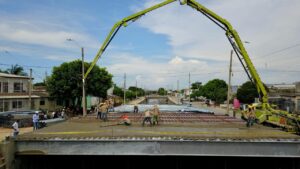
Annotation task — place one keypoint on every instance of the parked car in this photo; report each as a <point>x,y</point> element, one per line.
<point>9,117</point>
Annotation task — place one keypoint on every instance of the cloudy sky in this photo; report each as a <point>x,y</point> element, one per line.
<point>161,47</point>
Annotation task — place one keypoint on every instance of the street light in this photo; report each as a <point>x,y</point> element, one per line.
<point>83,80</point>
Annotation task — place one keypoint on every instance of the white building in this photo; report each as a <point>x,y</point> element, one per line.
<point>286,96</point>
<point>14,92</point>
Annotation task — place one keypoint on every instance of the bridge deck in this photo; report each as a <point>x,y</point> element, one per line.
<point>174,125</point>
<point>177,134</point>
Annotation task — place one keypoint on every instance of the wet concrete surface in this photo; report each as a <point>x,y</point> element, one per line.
<point>172,126</point>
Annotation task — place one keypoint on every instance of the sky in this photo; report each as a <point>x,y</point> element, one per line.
<point>158,50</point>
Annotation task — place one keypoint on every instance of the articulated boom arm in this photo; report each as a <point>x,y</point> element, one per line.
<point>231,34</point>
<point>239,49</point>
<point>117,26</point>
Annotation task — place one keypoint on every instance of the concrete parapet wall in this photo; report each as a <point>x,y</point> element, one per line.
<point>7,149</point>
<point>250,148</point>
<point>174,100</point>
<point>137,101</point>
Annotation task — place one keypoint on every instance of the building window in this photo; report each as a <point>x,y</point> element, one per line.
<point>18,87</point>
<point>17,104</point>
<point>42,102</point>
<point>5,87</point>
<point>4,105</point>
<point>32,104</point>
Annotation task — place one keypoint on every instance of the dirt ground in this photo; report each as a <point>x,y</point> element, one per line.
<point>7,131</point>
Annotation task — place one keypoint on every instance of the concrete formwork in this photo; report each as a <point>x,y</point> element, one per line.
<point>243,148</point>
<point>178,135</point>
<point>190,134</point>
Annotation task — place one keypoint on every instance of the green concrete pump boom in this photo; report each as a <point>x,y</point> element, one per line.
<point>231,34</point>
<point>116,27</point>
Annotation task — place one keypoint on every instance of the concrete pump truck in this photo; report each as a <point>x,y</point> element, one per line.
<point>264,111</point>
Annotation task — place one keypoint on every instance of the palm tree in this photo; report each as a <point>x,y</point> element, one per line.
<point>17,70</point>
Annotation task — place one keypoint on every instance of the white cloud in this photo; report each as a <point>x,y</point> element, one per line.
<point>269,25</point>
<point>26,34</point>
<point>60,58</point>
<point>154,74</point>
<point>197,44</point>
<point>40,34</point>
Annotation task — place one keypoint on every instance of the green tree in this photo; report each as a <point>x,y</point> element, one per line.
<point>65,83</point>
<point>196,85</point>
<point>16,70</point>
<point>130,95</point>
<point>118,91</point>
<point>162,91</point>
<point>216,90</point>
<point>40,84</point>
<point>196,93</point>
<point>197,90</point>
<point>138,91</point>
<point>247,92</point>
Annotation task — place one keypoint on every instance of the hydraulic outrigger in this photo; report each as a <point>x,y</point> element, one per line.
<point>264,112</point>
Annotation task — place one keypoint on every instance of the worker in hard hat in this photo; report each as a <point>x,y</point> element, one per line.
<point>147,117</point>
<point>155,114</point>
<point>251,115</point>
<point>104,111</point>
<point>35,120</point>
<point>125,120</point>
<point>135,108</point>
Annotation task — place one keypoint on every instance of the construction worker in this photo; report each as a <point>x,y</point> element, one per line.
<point>104,111</point>
<point>98,113</point>
<point>147,117</point>
<point>155,114</point>
<point>15,127</point>
<point>135,108</point>
<point>250,116</point>
<point>111,105</point>
<point>35,120</point>
<point>236,106</point>
<point>125,120</point>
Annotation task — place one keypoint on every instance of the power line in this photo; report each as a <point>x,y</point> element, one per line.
<point>172,74</point>
<point>270,70</point>
<point>28,66</point>
<point>280,50</point>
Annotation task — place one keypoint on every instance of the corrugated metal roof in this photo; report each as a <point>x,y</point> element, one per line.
<point>19,97</point>
<point>6,75</point>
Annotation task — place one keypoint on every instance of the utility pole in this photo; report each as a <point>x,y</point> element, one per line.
<point>83,85</point>
<point>136,89</point>
<point>177,86</point>
<point>83,80</point>
<point>229,82</point>
<point>178,91</point>
<point>189,88</point>
<point>46,75</point>
<point>124,88</point>
<point>30,88</point>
